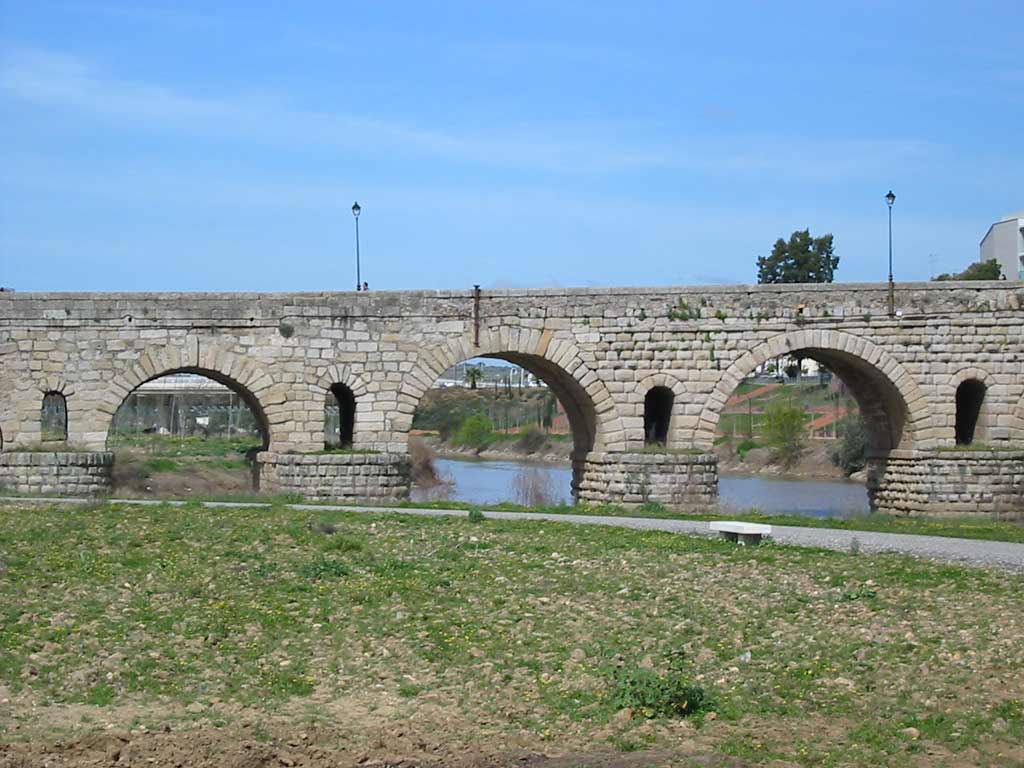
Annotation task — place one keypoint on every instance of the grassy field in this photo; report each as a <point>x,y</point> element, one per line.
<point>434,639</point>
<point>979,527</point>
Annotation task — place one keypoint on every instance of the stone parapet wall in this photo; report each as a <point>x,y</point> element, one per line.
<point>66,473</point>
<point>346,476</point>
<point>968,482</point>
<point>673,479</point>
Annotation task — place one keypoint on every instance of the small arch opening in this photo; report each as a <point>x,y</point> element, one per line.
<point>54,418</point>
<point>970,396</point>
<point>658,415</point>
<point>339,417</point>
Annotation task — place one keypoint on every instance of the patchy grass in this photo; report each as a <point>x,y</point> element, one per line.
<point>958,527</point>
<point>199,447</point>
<point>500,632</point>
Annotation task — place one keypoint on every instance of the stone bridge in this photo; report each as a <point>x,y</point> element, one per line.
<point>643,374</point>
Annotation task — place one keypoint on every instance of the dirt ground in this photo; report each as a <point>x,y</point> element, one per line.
<point>129,480</point>
<point>219,748</point>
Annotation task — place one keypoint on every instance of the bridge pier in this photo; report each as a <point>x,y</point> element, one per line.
<point>355,476</point>
<point>675,479</point>
<point>947,482</point>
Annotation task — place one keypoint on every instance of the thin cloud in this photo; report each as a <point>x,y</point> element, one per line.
<point>56,80</point>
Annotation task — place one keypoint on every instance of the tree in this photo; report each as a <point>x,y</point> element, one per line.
<point>477,431</point>
<point>850,455</point>
<point>473,375</point>
<point>979,270</point>
<point>784,432</point>
<point>804,259</point>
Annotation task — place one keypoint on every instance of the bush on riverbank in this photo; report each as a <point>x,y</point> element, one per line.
<point>421,458</point>
<point>784,432</point>
<point>849,456</point>
<point>475,432</point>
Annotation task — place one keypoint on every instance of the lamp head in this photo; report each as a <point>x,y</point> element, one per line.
<point>890,198</point>
<point>356,209</point>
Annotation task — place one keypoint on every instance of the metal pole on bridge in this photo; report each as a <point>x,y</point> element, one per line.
<point>356,210</point>
<point>890,199</point>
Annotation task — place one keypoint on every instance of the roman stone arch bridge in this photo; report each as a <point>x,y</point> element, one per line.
<point>643,374</point>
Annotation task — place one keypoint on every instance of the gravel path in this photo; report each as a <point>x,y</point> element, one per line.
<point>974,552</point>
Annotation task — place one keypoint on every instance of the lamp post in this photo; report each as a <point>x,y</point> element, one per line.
<point>359,278</point>
<point>889,200</point>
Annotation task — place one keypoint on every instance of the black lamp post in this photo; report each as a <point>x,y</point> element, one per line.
<point>359,278</point>
<point>889,200</point>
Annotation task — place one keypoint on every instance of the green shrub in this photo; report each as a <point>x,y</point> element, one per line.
<point>784,431</point>
<point>475,516</point>
<point>849,456</point>
<point>475,432</point>
<point>649,694</point>
<point>531,439</point>
<point>324,569</point>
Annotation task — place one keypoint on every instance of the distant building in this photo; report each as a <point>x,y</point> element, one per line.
<point>1004,242</point>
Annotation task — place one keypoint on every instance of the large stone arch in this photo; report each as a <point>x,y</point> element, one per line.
<point>895,409</point>
<point>244,375</point>
<point>556,360</point>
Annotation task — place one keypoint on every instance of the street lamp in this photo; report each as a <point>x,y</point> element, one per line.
<point>889,200</point>
<point>356,210</point>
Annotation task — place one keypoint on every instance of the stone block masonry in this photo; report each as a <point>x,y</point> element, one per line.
<point>65,474</point>
<point>601,351</point>
<point>674,480</point>
<point>342,476</point>
<point>970,482</point>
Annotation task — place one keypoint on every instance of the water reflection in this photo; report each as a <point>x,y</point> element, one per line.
<point>532,483</point>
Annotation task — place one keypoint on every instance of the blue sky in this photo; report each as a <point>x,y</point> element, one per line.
<point>219,146</point>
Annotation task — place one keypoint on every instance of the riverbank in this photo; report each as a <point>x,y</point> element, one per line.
<point>553,455</point>
<point>814,464</point>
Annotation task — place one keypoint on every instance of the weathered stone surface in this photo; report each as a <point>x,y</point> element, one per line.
<point>948,482</point>
<point>345,476</point>
<point>600,350</point>
<point>64,473</point>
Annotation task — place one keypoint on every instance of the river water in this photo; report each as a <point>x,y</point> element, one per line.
<point>491,482</point>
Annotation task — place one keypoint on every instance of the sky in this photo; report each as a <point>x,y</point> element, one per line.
<point>220,145</point>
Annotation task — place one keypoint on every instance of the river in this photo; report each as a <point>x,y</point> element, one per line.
<point>491,482</point>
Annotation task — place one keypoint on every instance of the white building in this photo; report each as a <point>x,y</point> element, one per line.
<point>1004,242</point>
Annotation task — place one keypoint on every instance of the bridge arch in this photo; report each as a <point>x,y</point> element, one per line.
<point>557,361</point>
<point>237,373</point>
<point>893,406</point>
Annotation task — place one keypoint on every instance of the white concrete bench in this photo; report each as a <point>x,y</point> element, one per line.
<point>743,533</point>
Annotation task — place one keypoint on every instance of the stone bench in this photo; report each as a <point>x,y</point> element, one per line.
<point>742,533</point>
